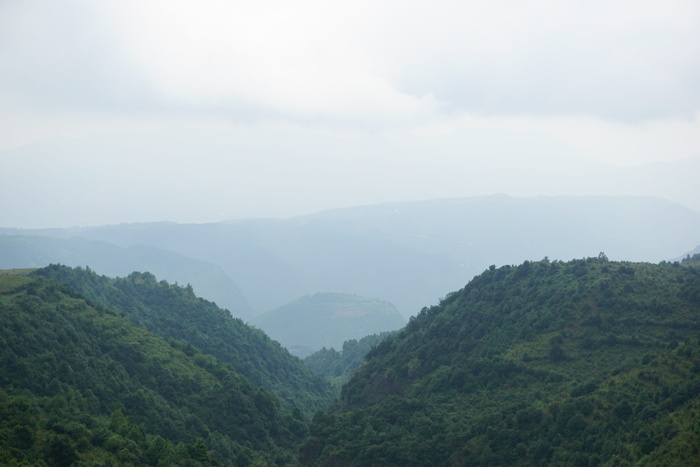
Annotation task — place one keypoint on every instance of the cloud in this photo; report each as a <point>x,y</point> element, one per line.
<point>290,59</point>
<point>354,62</point>
<point>55,57</point>
<point>259,61</point>
<point>629,61</point>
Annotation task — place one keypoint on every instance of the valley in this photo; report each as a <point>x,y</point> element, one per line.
<point>548,362</point>
<point>349,234</point>
<point>552,361</point>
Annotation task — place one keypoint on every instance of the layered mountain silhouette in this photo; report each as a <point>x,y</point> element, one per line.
<point>409,254</point>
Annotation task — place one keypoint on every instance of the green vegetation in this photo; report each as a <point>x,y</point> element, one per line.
<point>82,385</point>
<point>580,363</point>
<point>337,366</point>
<point>327,320</point>
<point>588,362</point>
<point>172,311</point>
<point>207,279</point>
<point>691,260</point>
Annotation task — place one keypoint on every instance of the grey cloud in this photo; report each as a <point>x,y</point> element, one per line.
<point>551,83</point>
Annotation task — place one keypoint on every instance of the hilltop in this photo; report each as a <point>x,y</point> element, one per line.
<point>35,251</point>
<point>328,320</point>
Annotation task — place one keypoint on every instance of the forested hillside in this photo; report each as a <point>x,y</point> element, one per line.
<point>587,362</point>
<point>339,365</point>
<point>312,322</point>
<point>173,311</point>
<point>82,385</point>
<point>692,260</point>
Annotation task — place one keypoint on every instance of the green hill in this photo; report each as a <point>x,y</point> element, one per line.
<point>339,365</point>
<point>327,320</point>
<point>210,282</point>
<point>173,311</point>
<point>82,385</point>
<point>587,362</point>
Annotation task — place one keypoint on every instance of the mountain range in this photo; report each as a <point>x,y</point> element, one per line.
<point>409,254</point>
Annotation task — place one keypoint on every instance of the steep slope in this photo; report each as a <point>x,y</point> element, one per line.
<point>588,362</point>
<point>33,251</point>
<point>81,385</point>
<point>327,320</point>
<point>175,312</point>
<point>339,365</point>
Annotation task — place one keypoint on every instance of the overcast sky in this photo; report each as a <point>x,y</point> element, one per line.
<point>611,81</point>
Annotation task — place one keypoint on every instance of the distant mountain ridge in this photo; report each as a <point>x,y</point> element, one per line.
<point>35,251</point>
<point>410,253</point>
<point>214,170</point>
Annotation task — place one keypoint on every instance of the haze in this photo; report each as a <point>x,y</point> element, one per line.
<point>194,112</point>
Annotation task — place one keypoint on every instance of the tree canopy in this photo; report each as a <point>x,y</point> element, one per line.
<point>82,385</point>
<point>584,362</point>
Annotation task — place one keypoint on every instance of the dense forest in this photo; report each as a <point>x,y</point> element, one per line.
<point>173,311</point>
<point>580,363</point>
<point>588,362</point>
<point>83,385</point>
<point>339,365</point>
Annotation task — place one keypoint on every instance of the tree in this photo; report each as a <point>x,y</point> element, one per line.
<point>59,451</point>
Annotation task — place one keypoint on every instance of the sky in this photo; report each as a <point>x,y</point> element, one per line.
<point>614,83</point>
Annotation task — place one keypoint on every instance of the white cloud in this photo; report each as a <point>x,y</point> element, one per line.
<point>627,60</point>
<point>291,59</point>
<point>631,60</point>
<point>615,80</point>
